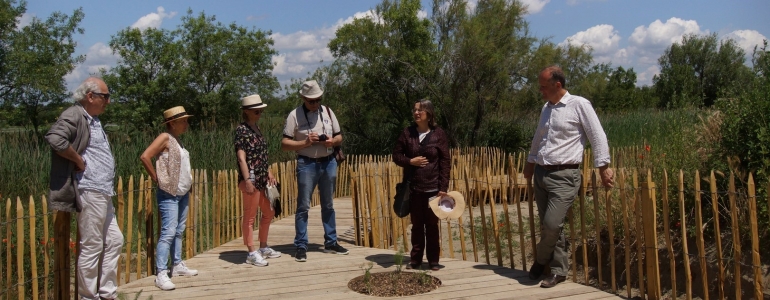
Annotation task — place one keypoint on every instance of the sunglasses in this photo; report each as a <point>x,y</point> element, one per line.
<point>105,96</point>
<point>311,102</point>
<point>257,112</point>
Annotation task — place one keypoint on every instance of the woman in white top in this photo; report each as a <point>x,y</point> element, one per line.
<point>174,179</point>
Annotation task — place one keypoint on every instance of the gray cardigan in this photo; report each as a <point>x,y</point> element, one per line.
<point>71,128</point>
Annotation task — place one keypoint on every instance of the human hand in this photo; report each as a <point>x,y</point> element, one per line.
<point>328,143</point>
<point>608,177</point>
<point>271,180</point>
<point>311,138</point>
<point>80,164</point>
<point>529,169</point>
<point>419,161</point>
<point>247,187</point>
<point>441,194</point>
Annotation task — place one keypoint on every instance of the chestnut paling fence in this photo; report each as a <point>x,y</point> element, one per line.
<point>622,240</point>
<point>40,246</point>
<point>646,237</point>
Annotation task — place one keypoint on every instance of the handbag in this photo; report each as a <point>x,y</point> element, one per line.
<point>338,154</point>
<point>401,200</point>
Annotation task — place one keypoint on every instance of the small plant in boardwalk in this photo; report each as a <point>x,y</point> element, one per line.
<point>398,259</point>
<point>368,275</point>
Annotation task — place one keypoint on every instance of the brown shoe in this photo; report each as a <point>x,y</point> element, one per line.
<point>552,281</point>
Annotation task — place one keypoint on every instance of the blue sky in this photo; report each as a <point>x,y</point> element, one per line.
<point>627,33</point>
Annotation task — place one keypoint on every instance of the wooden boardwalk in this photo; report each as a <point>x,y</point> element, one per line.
<point>223,274</point>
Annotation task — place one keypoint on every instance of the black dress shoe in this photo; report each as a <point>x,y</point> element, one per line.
<point>552,281</point>
<point>536,271</point>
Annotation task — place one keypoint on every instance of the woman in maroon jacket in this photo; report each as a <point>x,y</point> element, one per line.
<point>423,151</point>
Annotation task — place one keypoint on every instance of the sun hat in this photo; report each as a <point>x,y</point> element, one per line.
<point>175,113</point>
<point>252,102</point>
<point>450,206</point>
<point>310,89</point>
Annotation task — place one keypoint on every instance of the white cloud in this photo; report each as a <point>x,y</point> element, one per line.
<point>535,6</point>
<point>660,34</point>
<point>422,14</point>
<point>153,20</point>
<point>576,2</point>
<point>603,40</point>
<point>746,39</point>
<point>304,51</point>
<point>99,56</point>
<point>24,20</point>
<point>645,77</point>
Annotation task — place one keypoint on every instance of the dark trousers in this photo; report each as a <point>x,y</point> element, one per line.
<point>425,228</point>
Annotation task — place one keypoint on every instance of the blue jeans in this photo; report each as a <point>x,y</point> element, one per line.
<point>309,174</point>
<point>173,218</point>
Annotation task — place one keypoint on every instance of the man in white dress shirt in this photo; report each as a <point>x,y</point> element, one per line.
<point>567,122</point>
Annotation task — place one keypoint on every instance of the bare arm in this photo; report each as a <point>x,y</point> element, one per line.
<point>288,144</point>
<point>248,186</point>
<point>158,145</point>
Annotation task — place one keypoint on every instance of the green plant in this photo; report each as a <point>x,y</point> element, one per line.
<point>368,275</point>
<point>398,259</point>
<point>424,278</point>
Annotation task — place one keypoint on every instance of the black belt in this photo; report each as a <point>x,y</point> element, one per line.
<point>317,159</point>
<point>559,167</point>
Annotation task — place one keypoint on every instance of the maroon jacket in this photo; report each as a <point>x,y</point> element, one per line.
<point>435,175</point>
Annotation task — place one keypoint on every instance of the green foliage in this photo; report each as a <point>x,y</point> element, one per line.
<point>203,64</point>
<point>34,60</point>
<point>699,70</point>
<point>398,260</point>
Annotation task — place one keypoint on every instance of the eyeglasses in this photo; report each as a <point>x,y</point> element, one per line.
<point>105,96</point>
<point>417,110</point>
<point>315,101</point>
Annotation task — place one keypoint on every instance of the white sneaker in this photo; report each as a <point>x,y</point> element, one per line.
<point>163,282</point>
<point>256,259</point>
<point>182,270</point>
<point>268,252</point>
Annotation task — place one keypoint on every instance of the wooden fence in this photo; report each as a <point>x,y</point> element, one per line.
<point>618,242</point>
<point>41,246</point>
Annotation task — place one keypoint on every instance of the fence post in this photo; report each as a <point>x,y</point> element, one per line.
<point>61,269</point>
<point>649,220</point>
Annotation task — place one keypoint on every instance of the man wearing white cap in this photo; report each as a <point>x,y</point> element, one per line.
<point>312,131</point>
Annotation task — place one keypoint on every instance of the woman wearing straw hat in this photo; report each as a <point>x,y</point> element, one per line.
<point>253,178</point>
<point>174,179</point>
<point>423,151</point>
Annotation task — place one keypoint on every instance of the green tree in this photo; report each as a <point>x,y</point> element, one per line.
<point>35,59</point>
<point>384,64</point>
<point>699,70</point>
<point>203,64</point>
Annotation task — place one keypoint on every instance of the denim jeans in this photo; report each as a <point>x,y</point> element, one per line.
<point>309,175</point>
<point>173,218</point>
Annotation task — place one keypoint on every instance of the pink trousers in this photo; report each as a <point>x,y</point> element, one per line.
<point>250,204</point>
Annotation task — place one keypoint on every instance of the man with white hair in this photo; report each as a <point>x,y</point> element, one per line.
<point>82,177</point>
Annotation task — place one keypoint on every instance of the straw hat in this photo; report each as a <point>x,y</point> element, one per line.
<point>450,206</point>
<point>311,90</point>
<point>252,102</point>
<point>175,113</point>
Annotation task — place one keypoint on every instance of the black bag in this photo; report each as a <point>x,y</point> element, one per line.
<point>403,189</point>
<point>401,200</point>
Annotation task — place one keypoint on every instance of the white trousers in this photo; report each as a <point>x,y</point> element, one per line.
<point>100,238</point>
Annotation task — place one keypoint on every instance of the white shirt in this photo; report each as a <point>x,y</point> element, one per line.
<point>563,131</point>
<point>297,127</point>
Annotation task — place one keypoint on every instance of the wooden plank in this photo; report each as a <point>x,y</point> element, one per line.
<point>649,219</point>
<point>755,259</point>
<point>626,229</point>
<point>736,237</point>
<point>495,225</point>
<point>471,224</point>
<point>61,225</point>
<point>33,248</point>
<point>685,251</point>
<point>20,249</point>
<point>46,249</point>
<point>583,239</point>
<point>667,231</point>
<point>120,213</point>
<point>597,227</point>
<point>699,237</point>
<point>611,232</point>
<point>481,199</point>
<point>129,227</point>
<point>639,233</point>
<point>717,235</point>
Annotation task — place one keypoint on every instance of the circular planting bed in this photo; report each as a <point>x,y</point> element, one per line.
<point>395,283</point>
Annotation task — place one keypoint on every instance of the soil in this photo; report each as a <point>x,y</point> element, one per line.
<point>394,283</point>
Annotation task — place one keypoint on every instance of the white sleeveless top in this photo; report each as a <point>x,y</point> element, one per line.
<point>185,173</point>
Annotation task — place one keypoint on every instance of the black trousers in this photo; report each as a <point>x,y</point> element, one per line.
<point>425,230</point>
